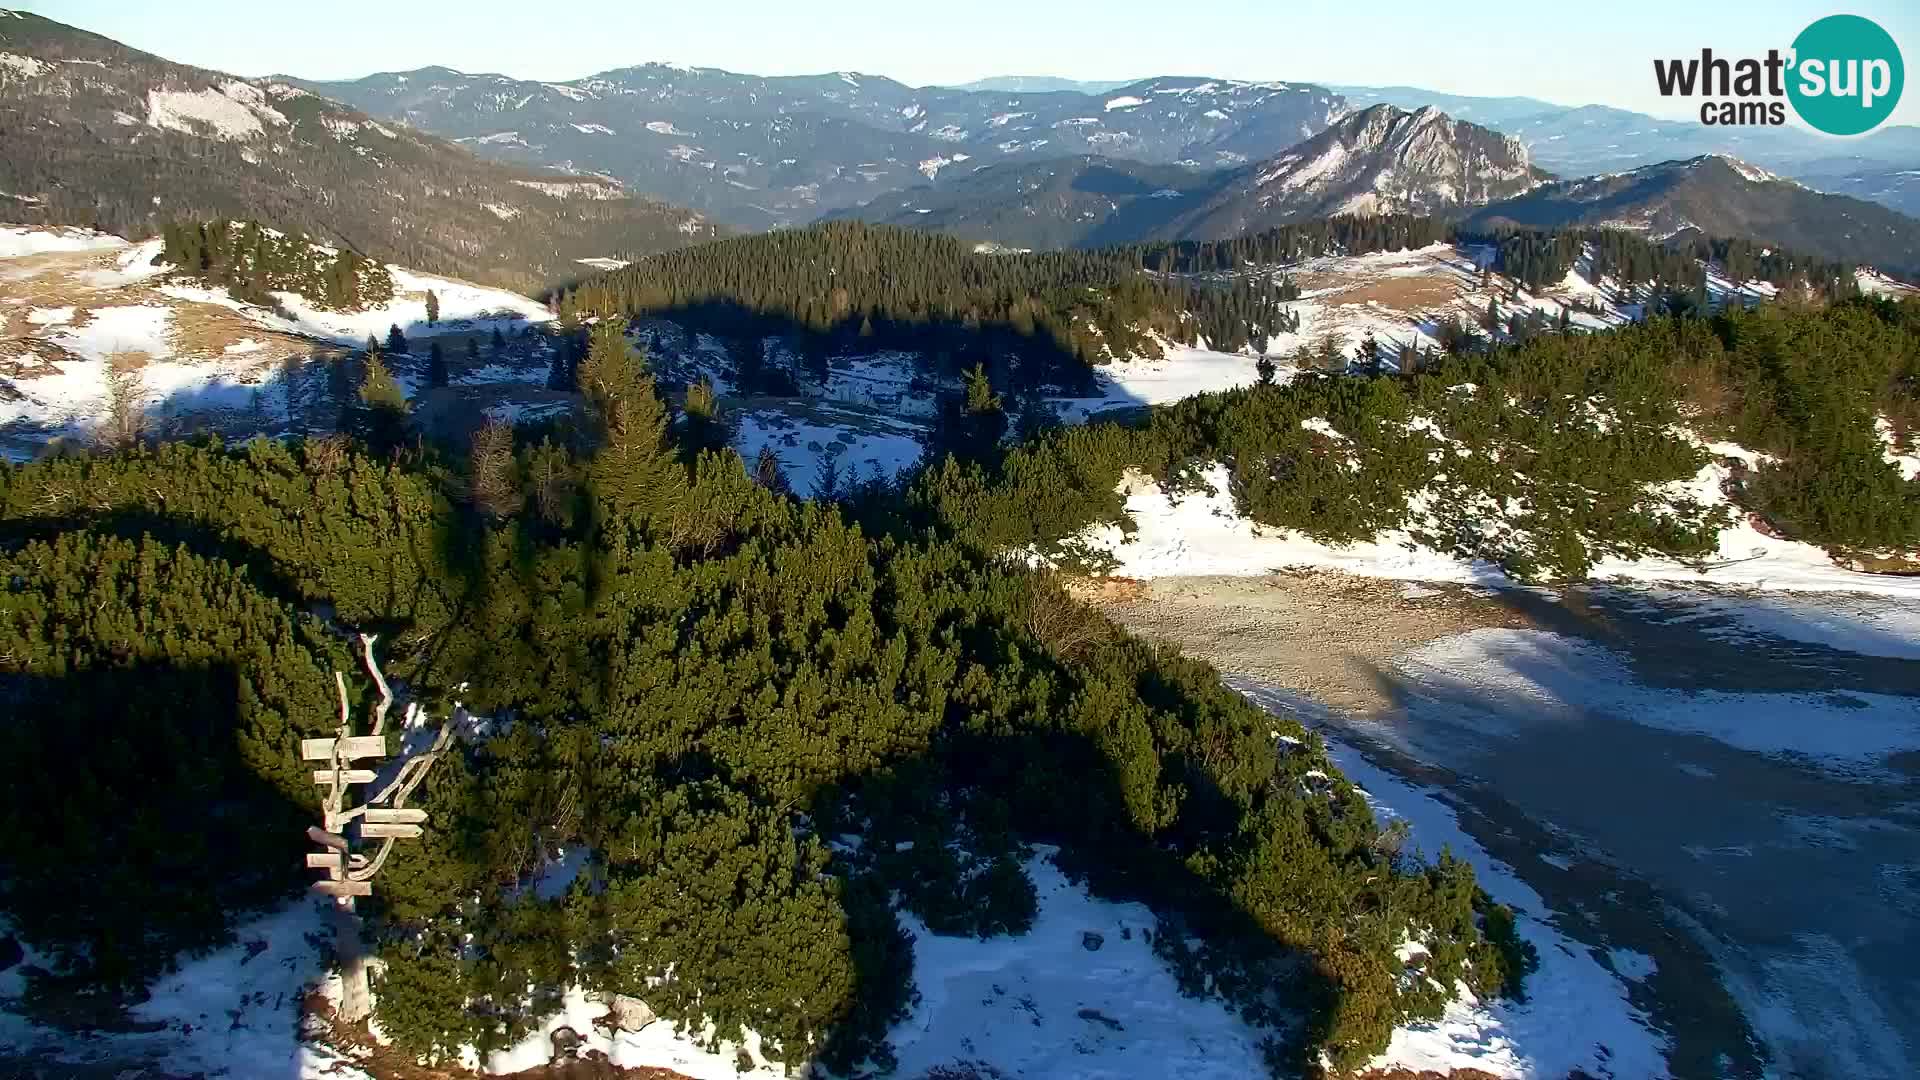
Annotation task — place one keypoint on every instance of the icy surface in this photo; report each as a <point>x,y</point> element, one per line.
<point>1576,1017</point>
<point>1563,677</point>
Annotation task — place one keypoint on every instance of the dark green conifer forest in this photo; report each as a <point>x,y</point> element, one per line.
<point>714,686</point>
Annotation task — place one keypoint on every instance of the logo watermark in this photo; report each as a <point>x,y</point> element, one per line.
<point>1843,75</point>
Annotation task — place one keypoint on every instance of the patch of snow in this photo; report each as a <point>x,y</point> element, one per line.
<point>931,167</point>
<point>233,1012</point>
<point>110,330</point>
<point>1042,1004</point>
<point>50,316</point>
<point>17,240</point>
<point>601,262</point>
<point>1183,372</point>
<point>862,443</point>
<point>236,111</point>
<point>1909,463</point>
<point>594,129</point>
<point>657,1045</point>
<point>584,189</point>
<point>1125,101</point>
<point>464,308</point>
<point>665,127</point>
<point>1628,964</point>
<point>504,213</point>
<point>24,66</point>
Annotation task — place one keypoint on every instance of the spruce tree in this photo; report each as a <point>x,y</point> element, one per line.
<point>633,471</point>
<point>396,341</point>
<point>433,307</point>
<point>436,366</point>
<point>382,413</point>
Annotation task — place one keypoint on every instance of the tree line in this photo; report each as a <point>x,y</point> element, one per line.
<point>1545,454</point>
<point>1042,319</point>
<point>253,262</point>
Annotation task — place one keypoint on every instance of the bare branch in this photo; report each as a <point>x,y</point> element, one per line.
<point>346,719</point>
<point>379,680</point>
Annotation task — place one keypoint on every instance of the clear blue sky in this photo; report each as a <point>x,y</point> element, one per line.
<point>1567,53</point>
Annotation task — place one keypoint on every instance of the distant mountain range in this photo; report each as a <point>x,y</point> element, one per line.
<point>1380,160</point>
<point>103,135</point>
<point>756,152</point>
<point>1040,84</point>
<point>1719,196</point>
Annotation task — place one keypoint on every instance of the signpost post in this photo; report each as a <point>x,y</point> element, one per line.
<point>384,817</point>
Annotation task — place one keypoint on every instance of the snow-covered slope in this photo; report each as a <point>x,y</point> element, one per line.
<point>1203,533</point>
<point>84,306</point>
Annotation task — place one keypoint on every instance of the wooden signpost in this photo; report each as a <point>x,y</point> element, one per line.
<point>384,817</point>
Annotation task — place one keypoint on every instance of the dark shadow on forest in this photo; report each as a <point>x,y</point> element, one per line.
<point>137,828</point>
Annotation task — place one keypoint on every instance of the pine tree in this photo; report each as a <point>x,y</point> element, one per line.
<point>706,428</point>
<point>396,341</point>
<point>633,470</point>
<point>495,489</point>
<point>767,472</point>
<point>382,413</point>
<point>433,307</point>
<point>436,366</point>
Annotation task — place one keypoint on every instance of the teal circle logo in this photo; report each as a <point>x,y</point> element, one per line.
<point>1846,75</point>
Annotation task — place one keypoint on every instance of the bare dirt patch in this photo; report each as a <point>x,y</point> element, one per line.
<point>1407,295</point>
<point>1326,634</point>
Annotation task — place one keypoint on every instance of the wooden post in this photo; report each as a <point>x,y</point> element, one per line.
<point>384,817</point>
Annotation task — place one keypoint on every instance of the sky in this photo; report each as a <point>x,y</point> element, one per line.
<point>1572,55</point>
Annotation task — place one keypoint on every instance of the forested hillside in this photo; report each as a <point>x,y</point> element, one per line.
<point>1033,320</point>
<point>764,720</point>
<point>157,142</point>
<point>1544,457</point>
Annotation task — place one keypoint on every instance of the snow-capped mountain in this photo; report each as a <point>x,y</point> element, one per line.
<point>1882,166</point>
<point>105,136</point>
<point>1720,196</point>
<point>1379,160</point>
<point>755,151</point>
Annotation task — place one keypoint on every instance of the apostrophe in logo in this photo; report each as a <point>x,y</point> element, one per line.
<point>1843,76</point>
<point>1847,75</point>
